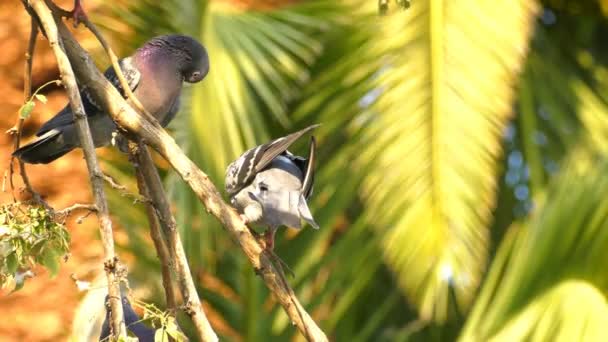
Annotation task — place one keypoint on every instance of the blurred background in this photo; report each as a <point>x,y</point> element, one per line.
<point>462,177</point>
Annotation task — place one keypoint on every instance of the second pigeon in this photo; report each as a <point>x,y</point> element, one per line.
<point>270,186</point>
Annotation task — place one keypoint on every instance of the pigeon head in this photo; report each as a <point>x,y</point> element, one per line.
<point>189,56</point>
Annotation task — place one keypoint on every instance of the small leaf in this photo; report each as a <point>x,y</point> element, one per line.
<point>41,98</point>
<point>12,263</point>
<point>26,109</point>
<point>161,335</point>
<point>50,261</point>
<point>37,248</point>
<point>173,330</point>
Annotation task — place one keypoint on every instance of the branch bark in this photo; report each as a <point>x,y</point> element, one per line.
<point>84,134</point>
<point>207,193</point>
<point>155,231</point>
<point>146,170</point>
<point>18,128</point>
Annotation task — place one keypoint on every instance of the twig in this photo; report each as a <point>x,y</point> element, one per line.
<point>113,183</point>
<point>84,134</point>
<point>18,128</point>
<point>123,189</point>
<point>127,118</point>
<point>152,186</point>
<point>78,206</point>
<point>156,234</point>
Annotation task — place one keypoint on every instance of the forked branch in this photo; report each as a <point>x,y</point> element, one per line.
<point>109,98</point>
<point>84,134</point>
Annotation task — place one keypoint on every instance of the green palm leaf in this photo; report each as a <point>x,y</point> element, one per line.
<point>448,93</point>
<point>427,138</point>
<point>547,280</point>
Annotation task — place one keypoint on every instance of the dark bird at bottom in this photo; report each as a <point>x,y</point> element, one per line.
<point>155,73</point>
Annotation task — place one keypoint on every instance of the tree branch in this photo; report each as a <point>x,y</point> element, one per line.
<point>146,170</point>
<point>84,134</point>
<point>155,233</point>
<point>18,128</point>
<point>157,138</point>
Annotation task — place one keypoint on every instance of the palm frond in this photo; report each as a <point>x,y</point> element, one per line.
<point>426,137</point>
<point>542,266</point>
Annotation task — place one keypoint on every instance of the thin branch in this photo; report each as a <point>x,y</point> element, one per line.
<point>18,128</point>
<point>84,134</point>
<point>152,185</point>
<point>159,139</point>
<point>123,189</point>
<point>78,206</point>
<point>156,234</point>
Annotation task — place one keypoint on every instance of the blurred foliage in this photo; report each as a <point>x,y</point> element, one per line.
<point>164,323</point>
<point>460,186</point>
<point>29,235</point>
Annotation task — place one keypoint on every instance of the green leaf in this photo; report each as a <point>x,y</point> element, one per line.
<point>173,330</point>
<point>41,98</point>
<point>547,281</point>
<point>434,212</point>
<point>50,260</point>
<point>161,335</point>
<point>12,263</point>
<point>26,109</point>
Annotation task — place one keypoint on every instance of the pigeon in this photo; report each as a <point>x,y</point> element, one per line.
<point>132,322</point>
<point>155,73</point>
<point>270,186</point>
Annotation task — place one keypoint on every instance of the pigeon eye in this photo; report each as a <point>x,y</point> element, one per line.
<point>263,187</point>
<point>196,74</point>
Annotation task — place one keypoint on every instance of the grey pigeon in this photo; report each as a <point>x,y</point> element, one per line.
<point>270,186</point>
<point>155,73</point>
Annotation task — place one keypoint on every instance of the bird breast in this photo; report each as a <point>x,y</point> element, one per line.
<point>160,85</point>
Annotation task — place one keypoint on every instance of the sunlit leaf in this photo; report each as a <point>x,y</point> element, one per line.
<point>26,109</point>
<point>161,335</point>
<point>544,282</point>
<point>50,260</point>
<point>41,98</point>
<point>435,136</point>
<point>12,263</point>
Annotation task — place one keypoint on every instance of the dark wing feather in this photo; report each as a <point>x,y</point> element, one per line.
<point>65,116</point>
<point>243,170</point>
<point>278,146</point>
<point>309,175</point>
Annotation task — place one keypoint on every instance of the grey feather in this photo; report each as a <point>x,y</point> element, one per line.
<point>276,192</point>
<point>242,171</point>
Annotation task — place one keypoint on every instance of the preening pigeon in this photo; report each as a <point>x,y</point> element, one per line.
<point>268,185</point>
<point>155,73</point>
